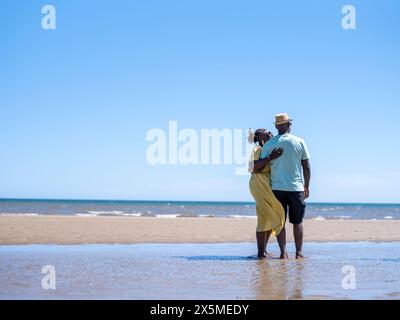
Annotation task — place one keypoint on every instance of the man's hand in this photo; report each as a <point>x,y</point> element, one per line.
<point>276,153</point>
<point>307,176</point>
<point>306,192</point>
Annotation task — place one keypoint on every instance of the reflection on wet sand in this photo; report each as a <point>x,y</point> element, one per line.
<point>277,279</point>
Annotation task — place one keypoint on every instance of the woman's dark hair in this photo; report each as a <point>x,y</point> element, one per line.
<point>257,135</point>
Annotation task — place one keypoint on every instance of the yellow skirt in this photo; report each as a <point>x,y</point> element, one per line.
<point>270,213</point>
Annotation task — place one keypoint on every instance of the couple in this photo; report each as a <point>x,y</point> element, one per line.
<point>278,166</point>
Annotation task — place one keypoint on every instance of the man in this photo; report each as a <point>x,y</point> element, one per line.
<point>286,178</point>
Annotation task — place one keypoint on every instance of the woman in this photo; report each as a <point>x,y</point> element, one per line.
<point>270,213</point>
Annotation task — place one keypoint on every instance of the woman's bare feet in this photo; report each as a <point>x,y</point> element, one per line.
<point>262,255</point>
<point>284,256</point>
<point>299,255</point>
<point>269,255</point>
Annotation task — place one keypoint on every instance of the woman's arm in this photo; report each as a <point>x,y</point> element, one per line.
<point>259,165</point>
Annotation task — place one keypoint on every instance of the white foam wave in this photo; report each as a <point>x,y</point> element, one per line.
<point>342,217</point>
<point>29,214</point>
<point>166,215</point>
<point>131,214</point>
<point>241,216</point>
<point>108,213</point>
<point>105,212</point>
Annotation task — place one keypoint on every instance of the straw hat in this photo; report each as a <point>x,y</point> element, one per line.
<point>282,118</point>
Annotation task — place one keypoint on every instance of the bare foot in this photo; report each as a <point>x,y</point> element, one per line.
<point>284,256</point>
<point>269,255</point>
<point>299,255</point>
<point>262,256</point>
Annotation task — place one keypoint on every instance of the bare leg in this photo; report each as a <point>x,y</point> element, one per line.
<point>266,243</point>
<point>298,239</point>
<point>281,237</point>
<point>261,243</point>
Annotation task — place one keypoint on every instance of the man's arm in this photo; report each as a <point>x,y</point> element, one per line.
<point>307,176</point>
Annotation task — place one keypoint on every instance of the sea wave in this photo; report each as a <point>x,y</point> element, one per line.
<point>28,214</point>
<point>342,217</point>
<point>166,215</point>
<point>241,216</point>
<point>108,214</point>
<point>177,214</point>
<point>105,212</point>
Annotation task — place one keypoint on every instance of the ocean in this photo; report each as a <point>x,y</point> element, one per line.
<point>174,209</point>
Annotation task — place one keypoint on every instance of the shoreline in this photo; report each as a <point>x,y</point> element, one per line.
<point>15,229</point>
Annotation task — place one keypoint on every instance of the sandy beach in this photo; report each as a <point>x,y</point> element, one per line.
<point>103,257</point>
<point>16,229</point>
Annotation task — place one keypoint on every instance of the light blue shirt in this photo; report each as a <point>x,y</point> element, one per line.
<point>286,171</point>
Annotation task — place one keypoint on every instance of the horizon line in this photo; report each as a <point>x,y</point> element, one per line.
<point>201,201</point>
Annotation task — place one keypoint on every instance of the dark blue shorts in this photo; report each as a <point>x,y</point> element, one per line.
<point>293,203</point>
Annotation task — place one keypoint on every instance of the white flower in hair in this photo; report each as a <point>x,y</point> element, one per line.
<point>250,136</point>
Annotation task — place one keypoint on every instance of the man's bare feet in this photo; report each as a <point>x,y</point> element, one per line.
<point>299,255</point>
<point>284,256</point>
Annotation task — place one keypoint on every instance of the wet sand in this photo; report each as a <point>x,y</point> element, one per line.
<point>201,271</point>
<point>16,229</point>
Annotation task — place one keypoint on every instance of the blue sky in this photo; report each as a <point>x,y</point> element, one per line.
<point>76,102</point>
